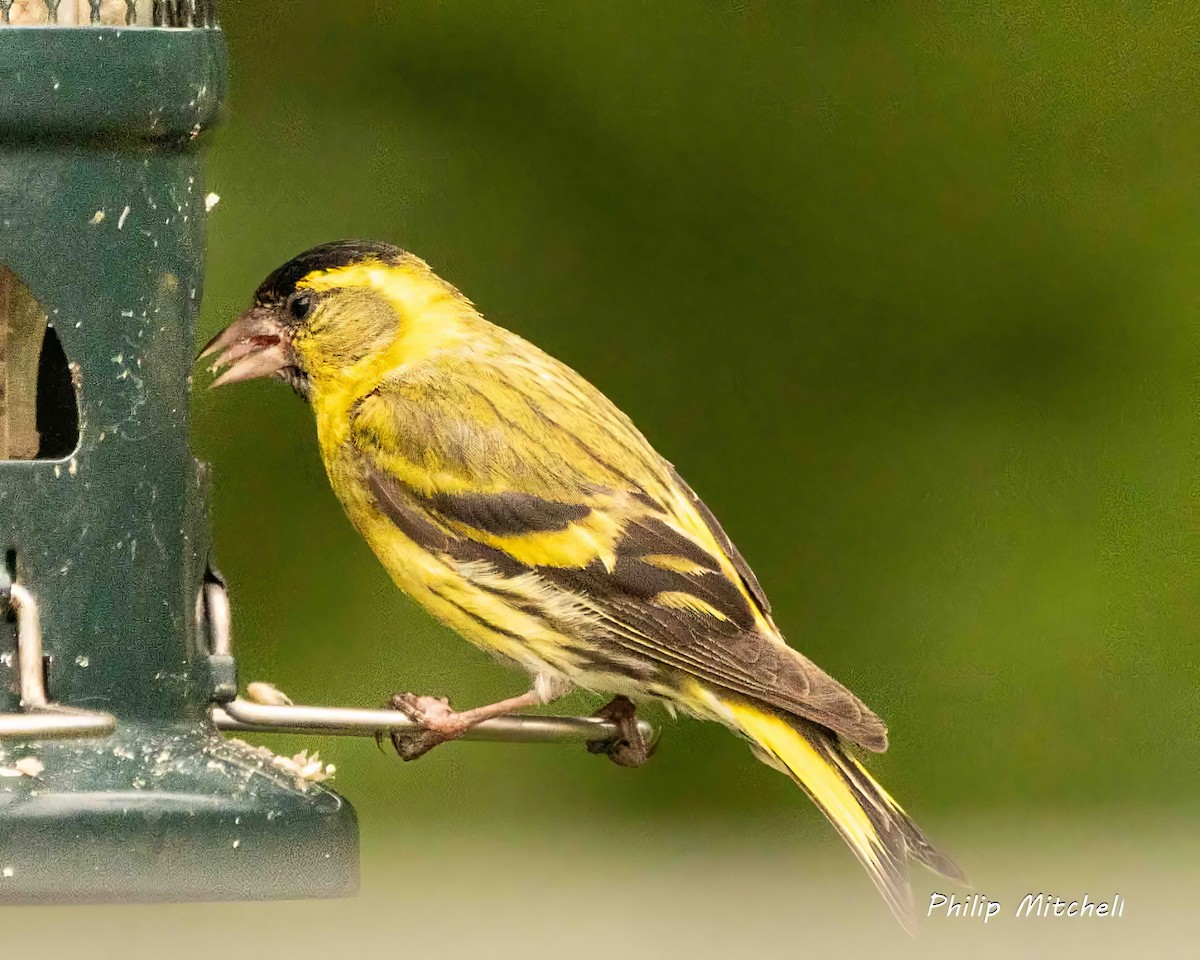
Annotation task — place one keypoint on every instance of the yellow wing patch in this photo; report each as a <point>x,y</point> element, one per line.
<point>679,600</point>
<point>593,538</point>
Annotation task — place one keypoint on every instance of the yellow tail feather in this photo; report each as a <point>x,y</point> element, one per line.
<point>880,833</point>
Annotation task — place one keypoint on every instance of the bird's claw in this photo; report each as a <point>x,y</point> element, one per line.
<point>438,724</point>
<point>629,747</point>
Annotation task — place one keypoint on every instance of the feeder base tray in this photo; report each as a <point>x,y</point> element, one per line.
<point>176,813</point>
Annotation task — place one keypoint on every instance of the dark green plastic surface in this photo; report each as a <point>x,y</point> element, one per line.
<point>102,216</point>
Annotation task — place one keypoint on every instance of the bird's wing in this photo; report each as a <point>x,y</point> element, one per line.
<point>576,502</point>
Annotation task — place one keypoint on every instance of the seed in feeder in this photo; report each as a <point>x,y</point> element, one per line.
<point>121,219</point>
<point>267,694</point>
<point>8,872</point>
<point>25,767</point>
<point>306,767</point>
<point>26,13</point>
<point>98,216</point>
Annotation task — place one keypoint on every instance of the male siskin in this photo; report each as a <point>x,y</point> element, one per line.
<point>516,503</point>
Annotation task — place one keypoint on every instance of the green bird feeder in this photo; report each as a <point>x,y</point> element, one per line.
<point>116,671</point>
<point>116,783</point>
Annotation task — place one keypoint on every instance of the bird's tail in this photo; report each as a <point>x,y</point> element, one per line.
<point>880,833</point>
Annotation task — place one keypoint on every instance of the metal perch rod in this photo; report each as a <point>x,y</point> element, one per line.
<point>41,719</point>
<point>354,722</point>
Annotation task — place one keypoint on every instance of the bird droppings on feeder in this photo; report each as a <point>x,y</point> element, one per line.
<point>211,201</point>
<point>121,218</point>
<point>252,772</point>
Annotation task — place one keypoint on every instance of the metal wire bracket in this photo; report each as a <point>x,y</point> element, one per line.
<point>40,719</point>
<point>246,715</point>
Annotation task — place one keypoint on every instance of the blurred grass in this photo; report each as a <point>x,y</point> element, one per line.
<point>697,890</point>
<point>908,294</point>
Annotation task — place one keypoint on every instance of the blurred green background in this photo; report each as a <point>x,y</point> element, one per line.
<point>908,294</point>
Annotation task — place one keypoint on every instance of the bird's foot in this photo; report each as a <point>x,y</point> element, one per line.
<point>439,723</point>
<point>629,747</point>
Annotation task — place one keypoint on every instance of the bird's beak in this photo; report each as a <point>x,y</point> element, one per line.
<point>254,345</point>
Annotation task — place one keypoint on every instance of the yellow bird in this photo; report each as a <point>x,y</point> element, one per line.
<point>516,503</point>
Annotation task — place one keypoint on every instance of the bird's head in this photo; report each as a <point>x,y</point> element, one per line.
<point>348,310</point>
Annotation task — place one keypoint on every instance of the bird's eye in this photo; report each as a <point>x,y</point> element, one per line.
<point>301,305</point>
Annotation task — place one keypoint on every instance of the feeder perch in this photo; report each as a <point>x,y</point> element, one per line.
<point>116,668</point>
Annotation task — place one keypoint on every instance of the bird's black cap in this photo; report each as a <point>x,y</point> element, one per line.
<point>281,284</point>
